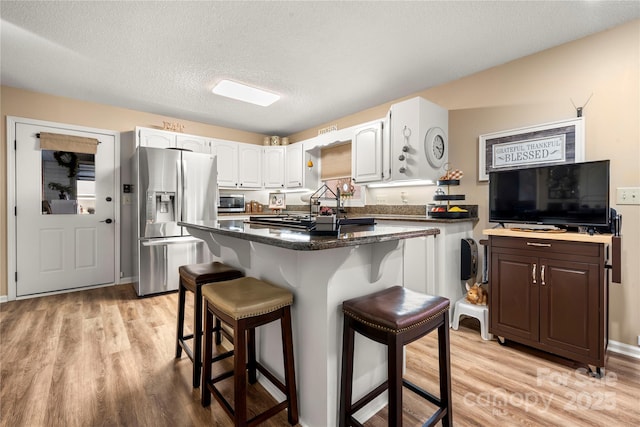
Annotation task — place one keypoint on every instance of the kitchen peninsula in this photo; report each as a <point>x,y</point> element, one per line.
<point>321,272</point>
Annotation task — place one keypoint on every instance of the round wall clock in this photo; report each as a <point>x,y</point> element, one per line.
<point>436,147</point>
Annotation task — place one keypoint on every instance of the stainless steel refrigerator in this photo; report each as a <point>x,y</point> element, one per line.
<point>171,185</point>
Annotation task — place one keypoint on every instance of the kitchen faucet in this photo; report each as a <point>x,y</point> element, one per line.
<point>319,193</point>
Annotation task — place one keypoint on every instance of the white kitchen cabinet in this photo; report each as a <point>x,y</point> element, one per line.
<point>273,171</point>
<point>166,139</point>
<point>366,153</point>
<point>249,166</point>
<point>295,164</point>
<point>227,154</point>
<point>194,143</point>
<point>432,263</point>
<point>156,138</point>
<point>412,122</point>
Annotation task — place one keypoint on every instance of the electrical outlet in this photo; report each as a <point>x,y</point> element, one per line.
<point>628,196</point>
<point>381,199</point>
<point>404,198</point>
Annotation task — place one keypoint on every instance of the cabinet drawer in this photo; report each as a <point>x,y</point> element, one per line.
<point>545,246</point>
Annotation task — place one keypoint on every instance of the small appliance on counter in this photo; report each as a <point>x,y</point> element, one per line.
<point>231,203</point>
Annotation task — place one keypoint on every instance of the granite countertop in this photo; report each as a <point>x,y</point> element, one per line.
<point>301,240</point>
<point>383,217</point>
<point>382,212</point>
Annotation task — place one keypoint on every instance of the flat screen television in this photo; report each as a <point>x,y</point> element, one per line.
<point>571,195</point>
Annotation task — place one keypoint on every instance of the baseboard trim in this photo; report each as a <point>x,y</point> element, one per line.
<point>126,280</point>
<point>626,349</point>
<point>3,298</point>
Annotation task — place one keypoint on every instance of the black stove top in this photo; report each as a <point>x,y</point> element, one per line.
<point>295,221</point>
<point>306,222</point>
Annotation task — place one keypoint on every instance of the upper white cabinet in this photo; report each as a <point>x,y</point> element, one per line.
<point>413,123</point>
<point>273,171</point>
<point>366,153</point>
<point>165,139</point>
<point>156,138</point>
<point>239,164</point>
<point>227,154</point>
<point>250,166</point>
<point>294,170</point>
<point>193,143</point>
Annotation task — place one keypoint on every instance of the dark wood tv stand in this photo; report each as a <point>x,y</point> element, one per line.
<point>550,291</point>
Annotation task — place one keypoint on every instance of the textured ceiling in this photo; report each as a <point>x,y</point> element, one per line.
<point>326,59</point>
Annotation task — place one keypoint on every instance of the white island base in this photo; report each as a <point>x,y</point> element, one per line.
<point>320,280</point>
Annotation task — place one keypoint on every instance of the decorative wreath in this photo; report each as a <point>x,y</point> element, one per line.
<point>67,159</point>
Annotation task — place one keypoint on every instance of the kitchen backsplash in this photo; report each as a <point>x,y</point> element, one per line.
<point>417,210</point>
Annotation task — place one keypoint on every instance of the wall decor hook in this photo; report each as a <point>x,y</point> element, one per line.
<point>580,109</point>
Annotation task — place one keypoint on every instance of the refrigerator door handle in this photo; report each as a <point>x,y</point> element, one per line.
<point>163,279</point>
<point>184,202</point>
<point>178,205</point>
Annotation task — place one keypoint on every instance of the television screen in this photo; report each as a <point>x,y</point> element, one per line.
<point>575,194</point>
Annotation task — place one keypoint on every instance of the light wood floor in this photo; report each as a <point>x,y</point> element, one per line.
<point>106,357</point>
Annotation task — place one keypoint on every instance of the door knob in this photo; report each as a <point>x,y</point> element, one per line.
<point>108,221</point>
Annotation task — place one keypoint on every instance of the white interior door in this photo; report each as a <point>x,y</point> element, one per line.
<point>65,213</point>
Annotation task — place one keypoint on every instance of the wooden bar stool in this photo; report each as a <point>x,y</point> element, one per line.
<point>395,317</point>
<point>192,278</point>
<point>245,304</point>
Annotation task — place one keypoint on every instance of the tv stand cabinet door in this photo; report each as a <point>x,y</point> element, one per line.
<point>514,296</point>
<point>569,308</point>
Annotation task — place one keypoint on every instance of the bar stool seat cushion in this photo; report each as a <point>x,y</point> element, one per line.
<point>395,309</point>
<point>198,274</point>
<point>247,297</point>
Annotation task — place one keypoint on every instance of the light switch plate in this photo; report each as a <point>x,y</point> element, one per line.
<point>628,196</point>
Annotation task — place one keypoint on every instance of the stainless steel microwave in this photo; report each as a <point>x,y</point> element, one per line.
<point>231,203</point>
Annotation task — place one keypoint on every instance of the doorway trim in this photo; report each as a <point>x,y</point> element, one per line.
<point>11,200</point>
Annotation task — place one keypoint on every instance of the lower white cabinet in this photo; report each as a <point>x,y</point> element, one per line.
<point>432,263</point>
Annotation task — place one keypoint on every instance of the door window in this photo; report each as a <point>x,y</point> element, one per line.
<point>68,183</point>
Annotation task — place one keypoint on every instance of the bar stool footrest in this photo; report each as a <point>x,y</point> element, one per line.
<point>364,400</point>
<point>186,348</point>
<point>276,382</point>
<point>229,409</point>
<point>223,376</point>
<point>421,392</point>
<point>222,356</point>
<point>436,417</point>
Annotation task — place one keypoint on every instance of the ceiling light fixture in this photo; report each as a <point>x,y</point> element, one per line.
<point>245,93</point>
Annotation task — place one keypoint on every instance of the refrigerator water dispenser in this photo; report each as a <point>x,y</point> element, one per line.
<point>161,206</point>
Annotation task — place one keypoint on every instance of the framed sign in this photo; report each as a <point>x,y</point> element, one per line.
<point>277,201</point>
<point>550,143</point>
